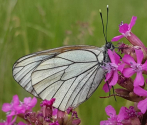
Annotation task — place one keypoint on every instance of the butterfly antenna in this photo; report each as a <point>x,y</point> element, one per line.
<point>102,24</point>
<point>107,21</point>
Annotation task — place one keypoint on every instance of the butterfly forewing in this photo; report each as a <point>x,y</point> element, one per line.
<point>71,76</point>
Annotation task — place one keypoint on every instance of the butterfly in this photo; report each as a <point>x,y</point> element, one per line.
<point>70,74</point>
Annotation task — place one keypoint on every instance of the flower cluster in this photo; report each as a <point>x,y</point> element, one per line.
<point>47,115</point>
<point>120,70</point>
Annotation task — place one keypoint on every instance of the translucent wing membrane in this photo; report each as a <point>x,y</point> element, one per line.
<point>69,74</point>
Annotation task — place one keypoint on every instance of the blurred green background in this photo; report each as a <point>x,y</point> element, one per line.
<point>27,26</point>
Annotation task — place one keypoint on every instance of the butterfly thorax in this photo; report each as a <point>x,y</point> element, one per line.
<point>110,46</point>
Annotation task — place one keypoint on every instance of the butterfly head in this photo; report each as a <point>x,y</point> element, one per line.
<point>110,46</point>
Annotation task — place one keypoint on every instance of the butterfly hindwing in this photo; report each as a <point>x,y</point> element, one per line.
<point>71,76</point>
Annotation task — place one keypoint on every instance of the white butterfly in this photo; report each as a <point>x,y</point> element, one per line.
<point>70,74</point>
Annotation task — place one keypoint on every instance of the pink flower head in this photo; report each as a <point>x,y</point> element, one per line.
<point>142,105</point>
<point>135,67</point>
<point>114,119</point>
<point>112,69</point>
<point>124,116</point>
<point>29,103</point>
<point>13,108</point>
<point>125,30</point>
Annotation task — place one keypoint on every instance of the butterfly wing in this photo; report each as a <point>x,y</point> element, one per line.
<point>23,67</point>
<point>70,76</point>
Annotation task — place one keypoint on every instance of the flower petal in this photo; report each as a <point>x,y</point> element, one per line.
<point>110,111</point>
<point>6,107</point>
<point>15,100</point>
<point>106,87</point>
<point>139,55</point>
<point>116,38</point>
<point>33,102</point>
<point>121,67</point>
<point>139,80</point>
<point>142,105</point>
<point>117,57</point>
<point>123,28</point>
<point>128,72</point>
<point>114,79</point>
<point>140,91</point>
<point>27,100</point>
<point>111,56</point>
<point>12,113</point>
<point>132,23</point>
<point>128,59</point>
<point>122,114</point>
<point>108,75</point>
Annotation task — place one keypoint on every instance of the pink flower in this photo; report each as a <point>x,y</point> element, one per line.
<point>114,119</point>
<point>142,105</point>
<point>13,108</point>
<point>135,67</point>
<point>124,117</point>
<point>112,69</point>
<point>125,30</point>
<point>29,103</point>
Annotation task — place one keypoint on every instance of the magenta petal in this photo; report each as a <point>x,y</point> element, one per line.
<point>122,114</point>
<point>124,28</point>
<point>117,57</point>
<point>140,91</point>
<point>128,72</point>
<point>144,66</point>
<point>33,102</point>
<point>12,113</point>
<point>139,55</point>
<point>114,79</point>
<point>6,107</point>
<point>103,122</point>
<point>110,111</point>
<point>128,59</point>
<point>106,87</point>
<point>121,67</point>
<point>111,56</point>
<point>133,20</point>
<point>108,75</point>
<point>116,38</point>
<point>15,100</point>
<point>142,105</point>
<point>27,100</point>
<point>139,80</point>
